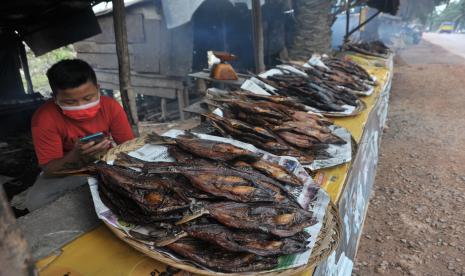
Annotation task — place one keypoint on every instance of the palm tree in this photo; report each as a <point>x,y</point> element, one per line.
<point>313,28</point>
<point>454,12</point>
<point>419,9</point>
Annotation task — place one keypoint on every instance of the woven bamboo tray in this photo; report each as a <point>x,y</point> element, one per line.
<point>326,243</point>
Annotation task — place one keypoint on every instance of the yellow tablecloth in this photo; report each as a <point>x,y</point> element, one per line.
<point>99,252</point>
<point>333,179</point>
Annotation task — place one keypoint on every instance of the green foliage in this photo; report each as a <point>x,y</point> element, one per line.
<point>38,67</point>
<point>421,10</point>
<point>455,12</point>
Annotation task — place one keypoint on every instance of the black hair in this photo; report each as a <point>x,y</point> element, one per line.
<point>70,73</point>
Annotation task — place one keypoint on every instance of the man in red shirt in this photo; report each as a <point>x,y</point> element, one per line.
<point>76,110</point>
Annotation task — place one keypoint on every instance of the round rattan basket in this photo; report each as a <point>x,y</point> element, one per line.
<point>326,243</point>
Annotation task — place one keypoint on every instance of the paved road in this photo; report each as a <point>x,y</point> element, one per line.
<point>454,43</point>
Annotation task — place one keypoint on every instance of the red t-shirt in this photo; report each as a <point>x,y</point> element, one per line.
<point>54,134</point>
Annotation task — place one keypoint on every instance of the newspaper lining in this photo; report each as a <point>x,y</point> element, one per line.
<point>339,154</point>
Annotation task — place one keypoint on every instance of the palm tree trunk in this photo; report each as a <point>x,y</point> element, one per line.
<point>313,28</point>
<point>15,258</point>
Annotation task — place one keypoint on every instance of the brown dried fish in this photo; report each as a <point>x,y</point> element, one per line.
<point>219,259</point>
<point>241,128</point>
<point>253,242</point>
<point>298,140</point>
<point>154,195</point>
<point>214,150</point>
<point>126,209</point>
<point>304,129</point>
<point>277,172</point>
<point>279,220</point>
<point>229,183</point>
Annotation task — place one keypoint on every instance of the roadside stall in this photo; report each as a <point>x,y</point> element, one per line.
<point>276,179</point>
<point>336,189</point>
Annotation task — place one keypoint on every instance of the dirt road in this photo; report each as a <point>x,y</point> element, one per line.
<point>416,218</point>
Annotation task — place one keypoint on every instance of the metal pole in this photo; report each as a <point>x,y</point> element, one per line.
<point>361,25</point>
<point>124,69</point>
<point>347,20</point>
<point>25,66</point>
<point>258,36</point>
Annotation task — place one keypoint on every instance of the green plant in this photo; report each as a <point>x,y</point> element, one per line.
<point>38,67</point>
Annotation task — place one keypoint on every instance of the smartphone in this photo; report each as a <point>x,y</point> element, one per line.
<point>96,137</point>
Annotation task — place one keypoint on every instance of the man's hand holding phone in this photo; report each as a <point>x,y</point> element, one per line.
<point>85,151</point>
<point>92,145</point>
<point>92,148</point>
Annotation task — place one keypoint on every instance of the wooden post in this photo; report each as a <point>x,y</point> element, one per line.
<point>181,104</point>
<point>258,36</point>
<point>127,93</point>
<point>163,109</point>
<point>25,66</point>
<point>186,95</point>
<point>15,258</point>
<point>201,87</point>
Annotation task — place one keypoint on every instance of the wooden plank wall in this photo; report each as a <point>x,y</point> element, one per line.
<point>160,57</point>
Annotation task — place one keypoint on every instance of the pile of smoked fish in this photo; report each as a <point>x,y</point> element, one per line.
<point>375,48</point>
<point>350,72</point>
<point>274,124</point>
<point>340,76</point>
<point>317,87</point>
<point>218,205</point>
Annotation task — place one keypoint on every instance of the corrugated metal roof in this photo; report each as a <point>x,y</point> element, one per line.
<point>19,13</point>
<point>49,24</point>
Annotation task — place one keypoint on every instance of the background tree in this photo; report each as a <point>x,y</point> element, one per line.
<point>409,10</point>
<point>312,28</point>
<point>421,10</point>
<point>314,20</point>
<point>454,12</point>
